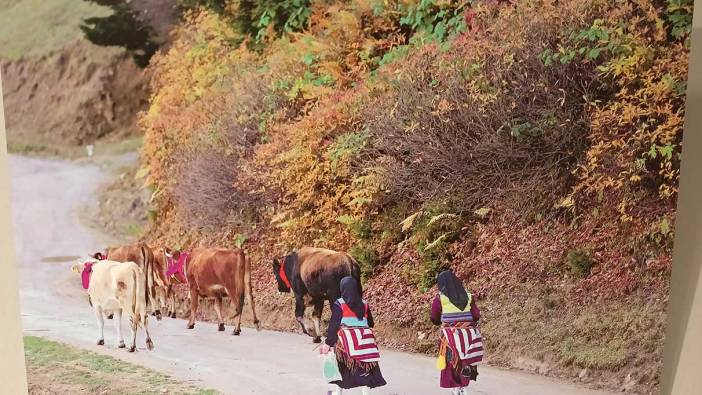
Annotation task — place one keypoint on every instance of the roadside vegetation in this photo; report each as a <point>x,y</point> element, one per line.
<point>56,368</point>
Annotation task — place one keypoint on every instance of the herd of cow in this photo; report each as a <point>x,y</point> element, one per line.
<point>137,280</point>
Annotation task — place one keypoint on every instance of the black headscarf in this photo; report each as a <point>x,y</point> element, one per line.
<point>451,287</point>
<point>351,293</point>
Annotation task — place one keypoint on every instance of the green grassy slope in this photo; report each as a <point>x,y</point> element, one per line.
<point>35,28</point>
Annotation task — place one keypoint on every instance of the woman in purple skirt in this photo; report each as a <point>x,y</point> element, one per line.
<point>454,308</point>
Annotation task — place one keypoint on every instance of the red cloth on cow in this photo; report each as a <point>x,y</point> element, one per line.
<point>177,269</point>
<point>85,275</point>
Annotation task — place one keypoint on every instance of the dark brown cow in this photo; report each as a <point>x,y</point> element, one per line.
<point>217,273</point>
<point>314,275</point>
<point>143,256</point>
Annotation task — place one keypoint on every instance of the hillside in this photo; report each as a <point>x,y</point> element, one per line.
<point>533,147</point>
<point>59,88</point>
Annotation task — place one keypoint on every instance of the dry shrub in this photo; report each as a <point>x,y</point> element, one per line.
<point>180,77</point>
<point>205,192</point>
<point>208,104</point>
<point>207,189</point>
<point>486,119</point>
<point>207,186</point>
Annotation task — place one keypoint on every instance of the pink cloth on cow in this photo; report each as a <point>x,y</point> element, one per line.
<point>85,275</point>
<point>177,269</point>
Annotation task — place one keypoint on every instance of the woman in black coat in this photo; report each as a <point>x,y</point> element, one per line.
<point>350,316</point>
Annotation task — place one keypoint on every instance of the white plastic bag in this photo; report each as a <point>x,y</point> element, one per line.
<point>330,368</point>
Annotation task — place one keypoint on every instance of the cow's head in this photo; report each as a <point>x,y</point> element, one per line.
<point>160,277</point>
<point>173,258</point>
<point>171,255</point>
<point>282,269</point>
<point>84,268</point>
<point>77,268</point>
<point>81,263</point>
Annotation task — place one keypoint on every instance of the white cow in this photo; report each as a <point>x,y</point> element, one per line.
<point>119,287</point>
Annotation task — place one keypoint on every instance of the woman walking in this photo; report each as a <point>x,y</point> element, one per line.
<point>460,342</point>
<point>351,321</point>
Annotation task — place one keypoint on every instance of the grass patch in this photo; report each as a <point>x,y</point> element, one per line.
<point>58,368</point>
<point>35,28</point>
<point>580,262</point>
<point>31,147</point>
<point>596,336</point>
<point>600,356</point>
<point>133,230</point>
<point>23,147</point>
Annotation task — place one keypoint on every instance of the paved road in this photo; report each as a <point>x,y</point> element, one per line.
<point>46,196</point>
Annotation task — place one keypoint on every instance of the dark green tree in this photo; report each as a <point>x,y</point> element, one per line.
<point>218,6</point>
<point>122,28</point>
<point>254,17</point>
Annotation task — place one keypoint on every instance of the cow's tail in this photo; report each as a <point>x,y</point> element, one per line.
<point>355,272</point>
<point>248,289</point>
<point>147,264</point>
<point>139,298</point>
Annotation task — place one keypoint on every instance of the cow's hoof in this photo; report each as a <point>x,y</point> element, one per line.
<point>317,340</point>
<point>257,323</point>
<point>132,349</point>
<point>236,332</point>
<point>221,328</point>
<point>109,317</point>
<point>173,315</point>
<point>190,326</point>
<point>121,345</point>
<point>157,313</point>
<point>149,344</point>
<point>101,342</point>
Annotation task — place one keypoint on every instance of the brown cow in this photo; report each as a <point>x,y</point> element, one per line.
<point>143,256</point>
<point>216,273</point>
<point>314,275</point>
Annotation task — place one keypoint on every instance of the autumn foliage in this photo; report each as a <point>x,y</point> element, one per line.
<point>414,134</point>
